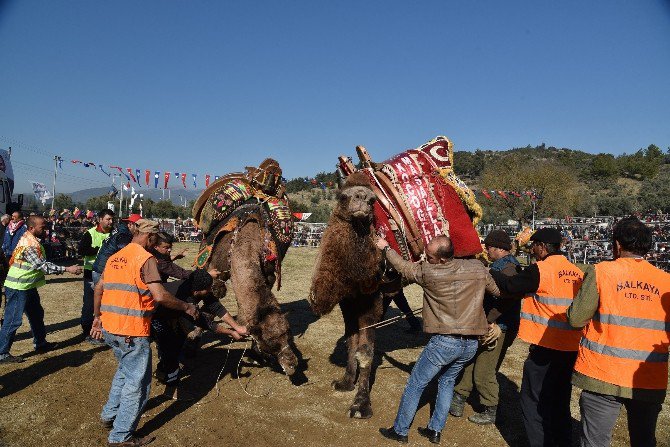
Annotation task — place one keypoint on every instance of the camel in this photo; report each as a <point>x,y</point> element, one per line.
<point>409,199</point>
<point>247,226</point>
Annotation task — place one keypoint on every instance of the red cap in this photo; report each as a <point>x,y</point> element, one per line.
<point>132,218</point>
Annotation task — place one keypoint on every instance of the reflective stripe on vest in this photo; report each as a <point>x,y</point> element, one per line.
<point>23,276</point>
<point>127,305</point>
<point>543,314</point>
<point>97,238</point>
<point>627,341</point>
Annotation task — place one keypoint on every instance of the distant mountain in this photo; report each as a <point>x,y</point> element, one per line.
<point>83,195</point>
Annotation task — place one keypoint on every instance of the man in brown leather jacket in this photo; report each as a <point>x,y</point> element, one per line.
<point>453,312</point>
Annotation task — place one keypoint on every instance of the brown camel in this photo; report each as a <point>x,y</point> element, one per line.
<point>246,220</point>
<point>241,259</point>
<point>348,273</point>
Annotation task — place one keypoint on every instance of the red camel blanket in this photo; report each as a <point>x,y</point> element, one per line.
<point>421,197</point>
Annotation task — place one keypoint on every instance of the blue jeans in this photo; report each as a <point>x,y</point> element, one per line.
<point>444,355</point>
<point>87,306</point>
<point>19,301</point>
<point>130,386</point>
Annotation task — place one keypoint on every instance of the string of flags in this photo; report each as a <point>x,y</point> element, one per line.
<point>133,176</point>
<point>508,195</point>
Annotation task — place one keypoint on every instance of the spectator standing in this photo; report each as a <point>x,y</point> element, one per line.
<point>549,287</point>
<point>4,222</point>
<point>453,312</point>
<point>623,354</point>
<point>28,265</point>
<point>481,372</point>
<point>13,233</point>
<point>124,302</point>
<point>91,241</point>
<point>121,236</point>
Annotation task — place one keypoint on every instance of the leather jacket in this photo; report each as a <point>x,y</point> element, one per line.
<point>453,293</point>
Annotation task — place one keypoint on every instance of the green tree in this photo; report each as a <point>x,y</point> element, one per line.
<point>604,166</point>
<point>63,201</point>
<point>98,203</point>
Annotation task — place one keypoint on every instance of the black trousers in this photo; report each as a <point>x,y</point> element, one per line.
<point>600,412</point>
<point>169,340</point>
<point>545,396</point>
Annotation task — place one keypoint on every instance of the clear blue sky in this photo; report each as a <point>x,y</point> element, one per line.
<point>212,86</point>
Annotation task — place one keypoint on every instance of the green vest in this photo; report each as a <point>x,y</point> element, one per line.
<point>97,239</point>
<point>22,275</point>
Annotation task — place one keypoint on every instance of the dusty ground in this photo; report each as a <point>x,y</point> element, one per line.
<point>55,399</point>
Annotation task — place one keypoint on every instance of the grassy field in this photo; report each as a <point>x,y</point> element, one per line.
<point>55,399</point>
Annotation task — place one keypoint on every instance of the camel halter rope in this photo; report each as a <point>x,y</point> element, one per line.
<point>392,320</point>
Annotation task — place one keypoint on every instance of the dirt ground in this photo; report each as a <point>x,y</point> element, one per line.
<point>55,399</point>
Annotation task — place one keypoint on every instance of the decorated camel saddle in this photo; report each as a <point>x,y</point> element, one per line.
<point>420,197</point>
<point>237,198</point>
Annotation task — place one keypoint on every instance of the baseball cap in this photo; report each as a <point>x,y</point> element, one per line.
<point>132,218</point>
<point>547,235</point>
<point>147,226</point>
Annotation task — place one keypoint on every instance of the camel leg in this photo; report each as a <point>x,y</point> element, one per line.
<point>346,383</point>
<point>362,407</point>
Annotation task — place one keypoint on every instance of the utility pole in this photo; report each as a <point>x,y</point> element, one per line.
<point>53,191</point>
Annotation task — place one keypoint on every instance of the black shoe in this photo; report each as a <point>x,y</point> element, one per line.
<point>46,347</point>
<point>389,433</point>
<point>486,417</point>
<point>9,358</point>
<point>457,405</point>
<point>432,435</point>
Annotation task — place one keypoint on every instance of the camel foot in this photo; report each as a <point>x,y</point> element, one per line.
<point>342,385</point>
<point>361,410</point>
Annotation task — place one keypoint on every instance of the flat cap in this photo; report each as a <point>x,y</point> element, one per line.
<point>147,226</point>
<point>547,235</point>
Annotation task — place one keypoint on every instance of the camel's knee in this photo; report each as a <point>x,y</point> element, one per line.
<point>364,356</point>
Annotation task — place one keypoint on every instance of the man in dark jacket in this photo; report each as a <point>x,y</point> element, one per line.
<point>120,237</point>
<point>13,233</point>
<point>453,313</point>
<point>481,372</point>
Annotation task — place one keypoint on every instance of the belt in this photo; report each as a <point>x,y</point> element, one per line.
<point>462,336</point>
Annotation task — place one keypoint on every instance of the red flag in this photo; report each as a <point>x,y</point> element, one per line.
<point>147,174</point>
<point>502,194</point>
<point>206,180</point>
<point>76,161</point>
<point>486,194</point>
<point>130,171</point>
<point>167,179</point>
<point>515,194</point>
<point>183,180</point>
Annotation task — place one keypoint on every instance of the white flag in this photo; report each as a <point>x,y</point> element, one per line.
<point>41,192</point>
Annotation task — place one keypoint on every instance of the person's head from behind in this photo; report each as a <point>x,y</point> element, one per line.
<point>5,219</point>
<point>201,282</point>
<point>632,236</point>
<point>146,235</point>
<point>106,220</point>
<point>17,216</point>
<point>439,250</point>
<point>37,226</point>
<point>164,243</point>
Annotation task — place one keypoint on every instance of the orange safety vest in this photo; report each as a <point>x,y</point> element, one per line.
<point>543,318</point>
<point>626,343</point>
<point>127,304</point>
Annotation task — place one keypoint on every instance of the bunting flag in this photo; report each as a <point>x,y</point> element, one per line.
<point>147,174</point>
<point>121,171</point>
<point>86,165</point>
<point>167,179</point>
<point>130,171</point>
<point>486,194</point>
<point>74,162</point>
<point>156,175</point>
<point>183,180</point>
<point>502,194</point>
<point>60,163</point>
<point>103,171</point>
<point>515,194</point>
<point>206,180</point>
<point>137,176</point>
<point>194,181</point>
<point>302,216</point>
<point>176,175</point>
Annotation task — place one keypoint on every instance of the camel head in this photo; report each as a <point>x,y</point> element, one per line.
<point>356,199</point>
<point>274,338</point>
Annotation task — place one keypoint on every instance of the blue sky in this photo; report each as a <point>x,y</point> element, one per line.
<point>212,86</point>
